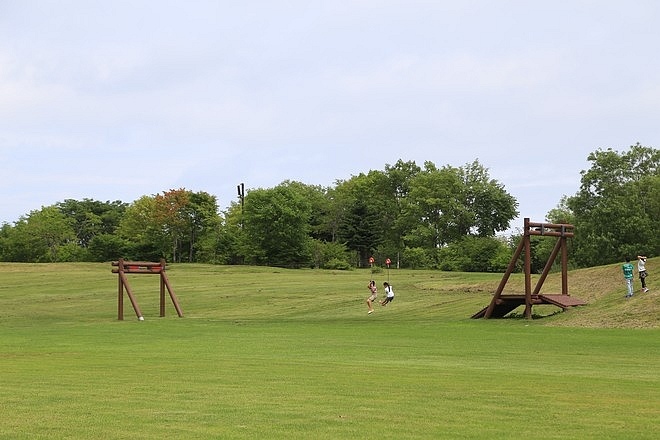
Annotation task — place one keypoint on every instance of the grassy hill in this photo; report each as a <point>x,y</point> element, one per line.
<point>604,289</point>
<point>286,354</point>
<point>88,291</point>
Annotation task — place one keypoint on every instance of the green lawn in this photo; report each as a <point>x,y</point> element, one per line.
<point>274,353</point>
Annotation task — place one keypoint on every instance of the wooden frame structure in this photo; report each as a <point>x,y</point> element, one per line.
<point>501,304</point>
<point>121,268</point>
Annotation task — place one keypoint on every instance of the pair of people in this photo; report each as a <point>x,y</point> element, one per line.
<point>389,295</point>
<point>628,273</point>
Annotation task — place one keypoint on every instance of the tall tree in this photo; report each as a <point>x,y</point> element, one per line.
<point>446,205</point>
<point>366,212</point>
<point>172,225</point>
<point>203,224</point>
<point>40,237</point>
<point>434,206</point>
<point>172,214</point>
<point>276,226</point>
<point>92,217</point>
<point>229,247</point>
<point>400,177</point>
<point>616,209</point>
<point>320,223</point>
<point>95,224</point>
<point>490,207</point>
<point>139,228</point>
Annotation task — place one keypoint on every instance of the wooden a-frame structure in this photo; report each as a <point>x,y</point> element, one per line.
<point>121,268</point>
<point>501,305</point>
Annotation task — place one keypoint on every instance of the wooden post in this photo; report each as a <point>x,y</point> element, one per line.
<point>173,297</point>
<point>505,279</point>
<point>564,264</point>
<point>120,299</point>
<point>546,269</point>
<point>528,270</point>
<point>129,292</point>
<point>162,287</point>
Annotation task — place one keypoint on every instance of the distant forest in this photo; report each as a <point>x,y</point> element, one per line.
<point>447,218</point>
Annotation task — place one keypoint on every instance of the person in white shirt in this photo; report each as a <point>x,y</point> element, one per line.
<point>641,270</point>
<point>389,292</point>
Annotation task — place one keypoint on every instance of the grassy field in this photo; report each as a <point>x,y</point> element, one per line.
<point>265,353</point>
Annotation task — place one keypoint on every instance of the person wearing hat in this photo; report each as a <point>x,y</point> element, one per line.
<point>641,270</point>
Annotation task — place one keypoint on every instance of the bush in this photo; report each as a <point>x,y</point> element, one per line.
<point>337,264</point>
<point>324,254</point>
<point>475,254</point>
<point>416,258</point>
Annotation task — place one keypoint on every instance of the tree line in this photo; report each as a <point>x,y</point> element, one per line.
<point>449,218</point>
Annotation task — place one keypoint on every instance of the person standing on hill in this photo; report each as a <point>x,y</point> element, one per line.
<point>372,295</point>
<point>628,270</point>
<point>641,270</point>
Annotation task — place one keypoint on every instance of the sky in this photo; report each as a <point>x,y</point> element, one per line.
<point>115,100</point>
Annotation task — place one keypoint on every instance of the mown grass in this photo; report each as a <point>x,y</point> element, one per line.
<point>275,353</point>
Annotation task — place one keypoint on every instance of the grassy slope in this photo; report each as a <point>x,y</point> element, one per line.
<point>273,353</point>
<point>225,292</point>
<point>603,288</point>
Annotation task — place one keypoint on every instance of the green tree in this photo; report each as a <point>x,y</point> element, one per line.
<point>6,231</point>
<point>475,254</point>
<point>434,209</point>
<point>328,255</point>
<point>229,247</point>
<point>321,226</point>
<point>91,219</point>
<point>616,209</point>
<point>490,208</point>
<point>275,229</point>
<point>172,215</point>
<point>400,177</point>
<point>108,247</point>
<point>41,236</point>
<point>146,239</point>
<point>366,212</point>
<point>416,258</point>
<point>203,226</point>
<point>561,214</point>
<point>174,225</point>
<point>445,206</point>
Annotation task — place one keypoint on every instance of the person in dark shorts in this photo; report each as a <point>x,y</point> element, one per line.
<point>389,294</point>
<point>641,270</point>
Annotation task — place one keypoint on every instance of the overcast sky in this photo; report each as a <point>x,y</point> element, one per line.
<point>113,100</point>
